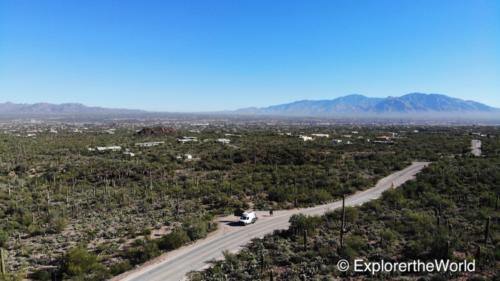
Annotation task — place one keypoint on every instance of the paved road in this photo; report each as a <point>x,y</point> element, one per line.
<point>175,265</point>
<point>475,146</point>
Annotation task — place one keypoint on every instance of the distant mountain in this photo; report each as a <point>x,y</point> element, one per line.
<point>15,109</point>
<point>348,106</point>
<point>415,103</point>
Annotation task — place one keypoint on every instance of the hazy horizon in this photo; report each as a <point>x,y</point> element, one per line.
<point>229,109</point>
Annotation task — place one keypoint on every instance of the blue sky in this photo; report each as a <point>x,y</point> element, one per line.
<point>207,55</point>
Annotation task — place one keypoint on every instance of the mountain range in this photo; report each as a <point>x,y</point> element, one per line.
<point>410,104</point>
<point>350,105</point>
<point>9,108</point>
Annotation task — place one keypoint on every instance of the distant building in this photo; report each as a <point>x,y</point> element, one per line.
<point>187,139</point>
<point>108,148</point>
<point>383,140</point>
<point>337,141</point>
<point>224,141</point>
<point>305,138</point>
<point>186,157</point>
<point>149,144</point>
<point>321,135</point>
<point>479,134</point>
<point>131,154</point>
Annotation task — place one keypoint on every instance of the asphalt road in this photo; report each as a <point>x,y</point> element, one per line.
<point>174,265</point>
<point>476,147</point>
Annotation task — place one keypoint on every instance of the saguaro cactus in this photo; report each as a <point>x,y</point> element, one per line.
<point>448,248</point>
<point>437,214</point>
<point>487,230</point>
<point>305,239</point>
<point>262,263</point>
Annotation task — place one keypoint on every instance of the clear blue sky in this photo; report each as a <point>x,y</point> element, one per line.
<point>225,54</point>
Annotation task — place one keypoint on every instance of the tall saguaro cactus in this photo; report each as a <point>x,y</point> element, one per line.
<point>262,263</point>
<point>487,230</point>
<point>305,239</point>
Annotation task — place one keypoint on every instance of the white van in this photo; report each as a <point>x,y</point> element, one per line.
<point>248,218</point>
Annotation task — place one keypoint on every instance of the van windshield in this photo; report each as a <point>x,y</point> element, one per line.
<point>244,217</point>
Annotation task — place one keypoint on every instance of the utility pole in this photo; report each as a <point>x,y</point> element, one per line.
<point>2,262</point>
<point>342,227</point>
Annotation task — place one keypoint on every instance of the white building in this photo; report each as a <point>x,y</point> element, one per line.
<point>305,138</point>
<point>187,139</point>
<point>109,148</point>
<point>149,144</point>
<point>186,157</point>
<point>224,141</point>
<point>131,154</point>
<point>321,135</point>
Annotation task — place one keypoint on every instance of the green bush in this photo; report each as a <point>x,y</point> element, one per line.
<point>120,267</point>
<point>174,240</point>
<point>197,230</point>
<point>79,264</point>
<point>3,239</point>
<point>141,251</point>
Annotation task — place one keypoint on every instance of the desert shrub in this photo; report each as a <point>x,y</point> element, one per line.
<point>142,250</point>
<point>120,267</point>
<point>41,275</point>
<point>58,225</point>
<point>79,264</point>
<point>174,240</point>
<point>300,223</point>
<point>197,230</point>
<point>3,238</point>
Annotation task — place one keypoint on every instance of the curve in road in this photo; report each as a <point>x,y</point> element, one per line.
<point>174,266</point>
